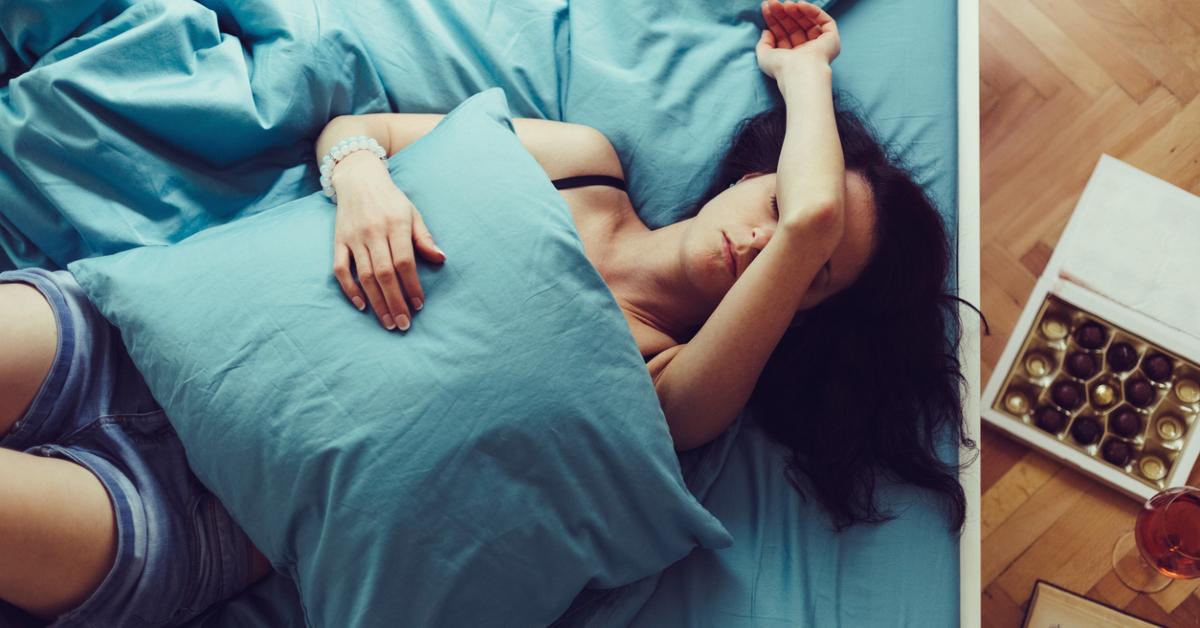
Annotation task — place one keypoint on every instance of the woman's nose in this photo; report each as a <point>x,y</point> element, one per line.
<point>759,237</point>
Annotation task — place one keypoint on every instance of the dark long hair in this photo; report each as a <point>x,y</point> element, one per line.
<point>867,388</point>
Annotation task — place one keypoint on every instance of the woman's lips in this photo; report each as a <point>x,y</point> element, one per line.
<point>728,248</point>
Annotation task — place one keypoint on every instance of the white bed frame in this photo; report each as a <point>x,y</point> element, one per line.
<point>970,593</point>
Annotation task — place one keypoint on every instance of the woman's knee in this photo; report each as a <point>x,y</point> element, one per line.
<point>58,533</point>
<point>29,336</point>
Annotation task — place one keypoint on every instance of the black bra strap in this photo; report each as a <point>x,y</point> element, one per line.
<point>590,179</point>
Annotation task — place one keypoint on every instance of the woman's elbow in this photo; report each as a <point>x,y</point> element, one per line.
<point>337,121</point>
<point>680,438</point>
<point>687,445</point>
<point>685,434</point>
<point>818,216</point>
<point>686,440</point>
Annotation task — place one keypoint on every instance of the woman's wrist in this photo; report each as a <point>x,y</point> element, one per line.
<point>331,154</point>
<point>802,72</point>
<point>357,166</point>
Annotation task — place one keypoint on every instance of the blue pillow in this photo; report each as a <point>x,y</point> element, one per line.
<point>482,468</point>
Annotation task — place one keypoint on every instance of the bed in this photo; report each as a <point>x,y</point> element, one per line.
<point>189,112</point>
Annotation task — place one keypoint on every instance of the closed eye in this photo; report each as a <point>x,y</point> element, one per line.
<point>775,206</point>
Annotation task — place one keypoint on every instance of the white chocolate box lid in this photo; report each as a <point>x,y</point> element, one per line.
<point>1135,240</point>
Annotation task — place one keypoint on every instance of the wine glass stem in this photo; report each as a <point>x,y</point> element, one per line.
<point>1133,570</point>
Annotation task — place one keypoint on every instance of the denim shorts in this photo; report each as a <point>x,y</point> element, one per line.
<point>178,550</point>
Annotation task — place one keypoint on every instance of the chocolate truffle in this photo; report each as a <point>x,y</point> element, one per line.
<point>1139,392</point>
<point>1050,419</point>
<point>1157,367</point>
<point>1187,390</point>
<point>1125,422</point>
<point>1117,452</point>
<point>1152,467</point>
<point>1103,395</point>
<point>1086,430</point>
<point>1169,427</point>
<point>1037,365</point>
<point>1054,329</point>
<point>1090,336</point>
<point>1122,357</point>
<point>1016,402</point>
<point>1068,395</point>
<point>1081,365</point>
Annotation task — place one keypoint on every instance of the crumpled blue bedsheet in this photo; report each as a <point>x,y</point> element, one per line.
<point>126,123</point>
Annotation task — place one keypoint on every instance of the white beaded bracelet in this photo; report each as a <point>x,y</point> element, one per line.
<point>340,151</point>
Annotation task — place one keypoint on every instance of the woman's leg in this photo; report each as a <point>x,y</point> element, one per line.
<point>29,339</point>
<point>57,525</point>
<point>58,533</point>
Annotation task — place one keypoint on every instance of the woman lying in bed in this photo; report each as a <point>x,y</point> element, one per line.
<point>809,284</point>
<point>843,312</point>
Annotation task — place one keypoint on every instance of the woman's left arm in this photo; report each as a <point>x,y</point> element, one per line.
<point>707,381</point>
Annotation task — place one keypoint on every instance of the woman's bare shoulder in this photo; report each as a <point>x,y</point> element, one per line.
<point>568,149</point>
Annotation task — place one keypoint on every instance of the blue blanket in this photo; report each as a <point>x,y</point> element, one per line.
<point>123,124</point>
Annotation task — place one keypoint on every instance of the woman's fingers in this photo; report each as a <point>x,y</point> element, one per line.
<point>772,20</point>
<point>384,261</point>
<point>766,41</point>
<point>790,27</point>
<point>820,20</point>
<point>807,26</point>
<point>405,265</point>
<point>366,277</point>
<point>341,272</point>
<point>799,24</point>
<point>814,13</point>
<point>783,38</point>
<point>423,240</point>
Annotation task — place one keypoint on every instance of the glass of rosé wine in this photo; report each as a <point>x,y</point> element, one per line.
<point>1164,544</point>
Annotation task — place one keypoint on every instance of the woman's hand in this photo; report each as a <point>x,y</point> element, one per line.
<point>376,228</point>
<point>794,31</point>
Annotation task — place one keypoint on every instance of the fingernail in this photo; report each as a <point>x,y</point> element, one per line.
<point>416,303</point>
<point>358,303</point>
<point>403,322</point>
<point>387,322</point>
<point>441,252</point>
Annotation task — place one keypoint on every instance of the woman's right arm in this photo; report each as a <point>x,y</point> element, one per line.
<point>379,229</point>
<point>562,149</point>
<point>393,131</point>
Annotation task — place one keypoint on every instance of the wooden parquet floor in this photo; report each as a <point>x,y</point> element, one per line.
<point>1061,82</point>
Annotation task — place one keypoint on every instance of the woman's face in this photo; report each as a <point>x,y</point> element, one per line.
<point>744,215</point>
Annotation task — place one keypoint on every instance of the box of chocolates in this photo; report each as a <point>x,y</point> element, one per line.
<point>1111,396</point>
<point>1099,373</point>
